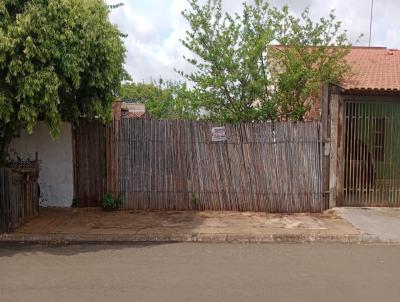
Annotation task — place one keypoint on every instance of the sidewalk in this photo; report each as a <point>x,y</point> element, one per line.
<point>96,226</point>
<point>382,223</point>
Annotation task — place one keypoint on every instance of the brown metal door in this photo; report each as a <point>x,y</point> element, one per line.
<point>90,163</point>
<point>372,154</point>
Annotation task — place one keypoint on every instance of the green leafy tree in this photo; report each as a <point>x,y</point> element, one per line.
<point>59,60</point>
<point>162,99</point>
<point>241,74</point>
<point>231,60</point>
<point>310,53</point>
<point>138,93</point>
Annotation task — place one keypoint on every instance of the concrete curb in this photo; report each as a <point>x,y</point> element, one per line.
<point>65,239</point>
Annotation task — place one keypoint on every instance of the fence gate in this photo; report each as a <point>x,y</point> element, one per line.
<point>90,163</point>
<point>19,198</point>
<point>372,154</point>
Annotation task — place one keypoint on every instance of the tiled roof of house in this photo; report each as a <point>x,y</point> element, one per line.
<point>373,69</point>
<point>133,106</point>
<point>135,114</point>
<point>130,110</point>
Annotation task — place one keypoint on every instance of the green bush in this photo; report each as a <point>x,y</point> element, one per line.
<point>109,202</point>
<point>75,203</point>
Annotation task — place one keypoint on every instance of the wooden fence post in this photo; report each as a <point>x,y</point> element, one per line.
<point>112,134</point>
<point>340,152</point>
<point>326,135</point>
<point>4,200</point>
<point>334,105</point>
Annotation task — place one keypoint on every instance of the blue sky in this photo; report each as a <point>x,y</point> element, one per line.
<point>154,28</point>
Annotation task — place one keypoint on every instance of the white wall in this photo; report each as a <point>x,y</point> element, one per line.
<point>56,177</point>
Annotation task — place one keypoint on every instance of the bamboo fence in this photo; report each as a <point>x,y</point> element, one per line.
<point>175,165</point>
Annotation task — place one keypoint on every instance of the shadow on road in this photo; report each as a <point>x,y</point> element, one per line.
<point>9,250</point>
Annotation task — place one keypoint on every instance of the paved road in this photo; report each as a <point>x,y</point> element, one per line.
<point>201,272</point>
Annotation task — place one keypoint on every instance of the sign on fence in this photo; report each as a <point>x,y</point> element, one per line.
<point>218,134</point>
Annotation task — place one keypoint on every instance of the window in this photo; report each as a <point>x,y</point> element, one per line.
<point>379,138</point>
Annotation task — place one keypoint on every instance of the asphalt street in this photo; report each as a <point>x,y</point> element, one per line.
<point>201,272</point>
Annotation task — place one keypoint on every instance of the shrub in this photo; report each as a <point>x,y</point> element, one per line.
<point>109,202</point>
<point>75,203</point>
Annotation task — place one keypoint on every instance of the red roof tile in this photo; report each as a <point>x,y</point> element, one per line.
<point>373,69</point>
<point>135,114</point>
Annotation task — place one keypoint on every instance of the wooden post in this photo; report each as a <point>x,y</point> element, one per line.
<point>325,136</point>
<point>112,156</point>
<point>340,153</point>
<point>74,162</point>
<point>334,105</point>
<point>111,141</point>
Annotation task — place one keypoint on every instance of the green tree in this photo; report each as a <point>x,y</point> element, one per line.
<point>240,73</point>
<point>59,60</point>
<point>231,60</point>
<point>138,93</point>
<point>310,53</point>
<point>162,99</point>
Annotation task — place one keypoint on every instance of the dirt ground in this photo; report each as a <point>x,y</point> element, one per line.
<point>164,224</point>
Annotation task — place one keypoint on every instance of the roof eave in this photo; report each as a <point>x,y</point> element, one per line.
<point>371,91</point>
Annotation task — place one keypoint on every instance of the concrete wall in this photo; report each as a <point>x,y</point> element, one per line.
<point>56,163</point>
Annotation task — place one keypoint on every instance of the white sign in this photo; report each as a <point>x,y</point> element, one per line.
<point>218,134</point>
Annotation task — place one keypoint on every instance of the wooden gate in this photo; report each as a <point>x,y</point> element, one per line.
<point>19,196</point>
<point>90,163</point>
<point>372,154</point>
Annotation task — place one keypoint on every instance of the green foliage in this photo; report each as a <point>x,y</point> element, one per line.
<point>310,54</point>
<point>109,202</point>
<point>231,60</point>
<point>194,202</point>
<point>162,99</point>
<point>75,203</point>
<point>138,93</point>
<point>59,60</point>
<point>241,76</point>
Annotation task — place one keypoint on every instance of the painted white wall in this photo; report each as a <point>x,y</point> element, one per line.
<point>56,177</point>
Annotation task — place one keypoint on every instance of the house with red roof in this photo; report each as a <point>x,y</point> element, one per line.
<point>361,122</point>
<point>375,71</point>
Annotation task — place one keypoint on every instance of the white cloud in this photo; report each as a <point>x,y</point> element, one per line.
<point>155,27</point>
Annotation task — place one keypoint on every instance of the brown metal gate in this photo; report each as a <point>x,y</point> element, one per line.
<point>372,154</point>
<point>90,163</point>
